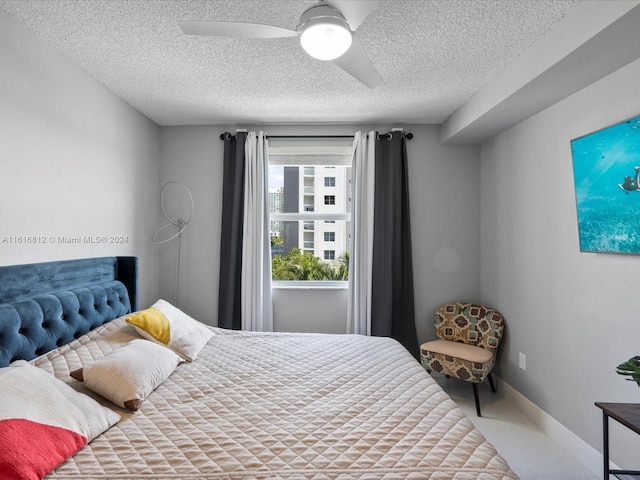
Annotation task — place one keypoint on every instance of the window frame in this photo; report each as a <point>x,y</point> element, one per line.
<point>332,254</point>
<point>329,199</point>
<point>313,153</point>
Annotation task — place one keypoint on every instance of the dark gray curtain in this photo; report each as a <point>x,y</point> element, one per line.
<point>392,304</point>
<point>229,307</point>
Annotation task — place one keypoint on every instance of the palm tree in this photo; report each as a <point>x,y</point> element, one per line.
<point>343,266</point>
<point>297,265</point>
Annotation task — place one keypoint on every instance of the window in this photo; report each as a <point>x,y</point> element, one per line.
<point>311,223</point>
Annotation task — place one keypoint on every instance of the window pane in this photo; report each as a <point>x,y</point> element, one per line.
<point>294,189</point>
<point>310,229</point>
<point>305,250</point>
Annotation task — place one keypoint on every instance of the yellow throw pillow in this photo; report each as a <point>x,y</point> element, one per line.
<point>167,325</point>
<point>154,322</point>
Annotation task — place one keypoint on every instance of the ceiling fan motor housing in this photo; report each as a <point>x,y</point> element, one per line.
<point>324,32</point>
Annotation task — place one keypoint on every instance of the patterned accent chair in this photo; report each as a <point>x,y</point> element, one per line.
<point>469,335</point>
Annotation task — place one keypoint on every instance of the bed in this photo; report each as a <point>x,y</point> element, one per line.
<point>247,405</point>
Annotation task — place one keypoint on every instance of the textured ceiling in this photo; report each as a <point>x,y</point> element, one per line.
<point>433,56</point>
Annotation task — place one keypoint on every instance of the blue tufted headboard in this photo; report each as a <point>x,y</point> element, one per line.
<point>46,305</point>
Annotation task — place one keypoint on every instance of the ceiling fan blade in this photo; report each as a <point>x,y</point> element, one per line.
<point>355,11</point>
<point>235,29</point>
<point>356,63</point>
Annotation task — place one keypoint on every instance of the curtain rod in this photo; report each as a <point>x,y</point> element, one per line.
<point>224,135</point>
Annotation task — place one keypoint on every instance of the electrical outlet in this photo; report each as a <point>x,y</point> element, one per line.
<point>522,361</point>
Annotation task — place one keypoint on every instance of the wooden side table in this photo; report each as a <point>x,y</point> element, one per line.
<point>628,414</point>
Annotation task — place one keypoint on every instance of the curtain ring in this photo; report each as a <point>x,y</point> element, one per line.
<point>388,136</point>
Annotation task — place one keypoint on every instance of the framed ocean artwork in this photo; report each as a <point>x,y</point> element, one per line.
<point>606,170</point>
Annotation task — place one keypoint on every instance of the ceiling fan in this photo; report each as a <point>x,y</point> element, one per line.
<point>326,30</point>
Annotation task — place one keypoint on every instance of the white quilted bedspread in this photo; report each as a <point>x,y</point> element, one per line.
<point>282,406</point>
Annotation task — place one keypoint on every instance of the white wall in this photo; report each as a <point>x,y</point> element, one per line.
<point>573,314</point>
<point>75,160</point>
<point>310,310</point>
<point>444,201</point>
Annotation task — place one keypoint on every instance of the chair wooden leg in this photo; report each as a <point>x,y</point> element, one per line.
<point>493,387</point>
<point>477,397</point>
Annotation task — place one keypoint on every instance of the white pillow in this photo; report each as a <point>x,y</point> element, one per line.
<point>129,374</point>
<point>43,421</point>
<point>165,324</point>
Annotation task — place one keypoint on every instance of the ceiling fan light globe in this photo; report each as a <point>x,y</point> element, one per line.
<point>325,38</point>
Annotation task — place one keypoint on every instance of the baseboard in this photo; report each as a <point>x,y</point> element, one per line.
<point>587,455</point>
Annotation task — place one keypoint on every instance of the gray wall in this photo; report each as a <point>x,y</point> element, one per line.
<point>444,201</point>
<point>193,156</point>
<point>575,315</point>
<point>75,161</point>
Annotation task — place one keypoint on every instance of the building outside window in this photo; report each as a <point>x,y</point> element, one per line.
<point>276,228</point>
